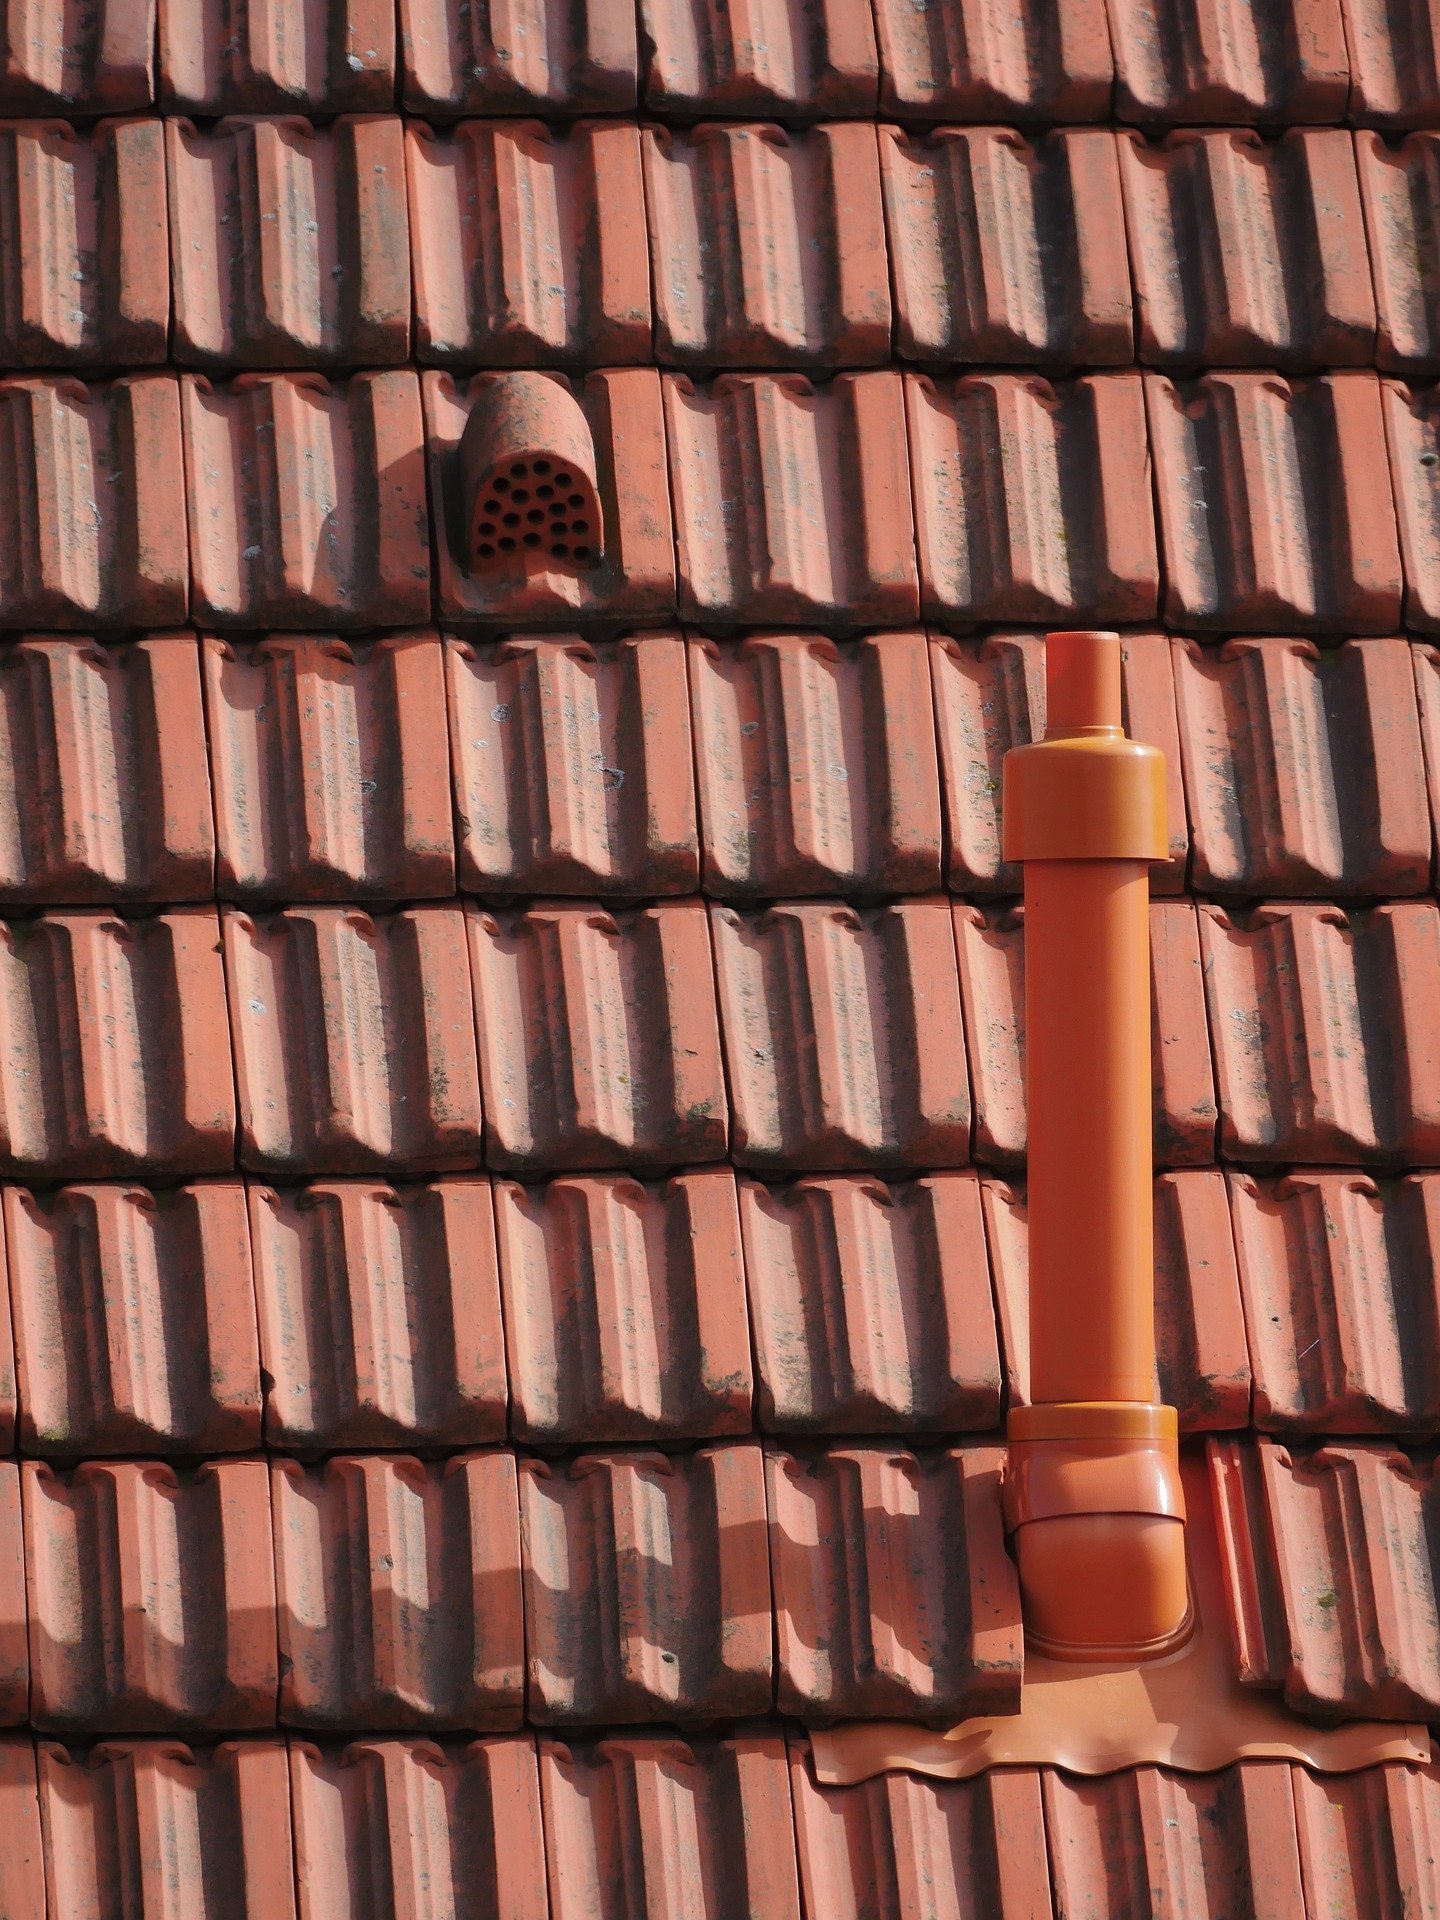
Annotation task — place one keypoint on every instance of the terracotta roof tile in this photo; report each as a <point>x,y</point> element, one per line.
<point>1275,512</point>
<point>77,58</point>
<point>828,539</point>
<point>151,1597</point>
<point>975,60</point>
<point>1412,427</point>
<point>573,766</point>
<point>71,197</point>
<point>871,1305</point>
<point>528,244</point>
<point>1427,686</point>
<point>1200,1323</point>
<point>616,1810</point>
<point>134,1319</point>
<point>1032,499</point>
<point>1248,252</point>
<point>788,59</point>
<point>354,1040</point>
<point>844,1040</point>
<point>647,1586</point>
<point>331,767</point>
<point>625,1309</point>
<point>276,56</point>
<point>599,1042</point>
<point>116,1048</point>
<point>922,1849</point>
<point>535,57</point>
<point>1394,74</point>
<point>1331,1576</point>
<point>1303,768</point>
<point>307,500</point>
<point>135,1818</point>
<point>768,246</point>
<point>1348,995</point>
<point>1370,1841</point>
<point>635,580</point>
<point>1400,188</point>
<point>407,1826</point>
<point>288,243</point>
<point>104,789</point>
<point>894,1596</point>
<point>398,1591</point>
<point>1007,249</point>
<point>379,1312</point>
<point>92,526</point>
<point>15,1692</point>
<point>1193,60</point>
<point>816,762</point>
<point>9,1394</point>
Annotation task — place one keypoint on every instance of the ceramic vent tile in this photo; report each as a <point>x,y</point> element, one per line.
<point>1255,477</point>
<point>1400,190</point>
<point>844,1038</point>
<point>116,1048</point>
<point>276,56</point>
<point>1349,995</point>
<point>625,1308</point>
<point>1248,252</point>
<point>398,1590</point>
<point>781,59</point>
<point>1007,248</point>
<point>1412,427</point>
<point>599,1042</point>
<point>379,1312</point>
<point>331,767</point>
<point>1196,61</point>
<point>768,246</point>
<point>871,1305</point>
<point>573,765</point>
<point>647,1586</point>
<point>1394,63</point>
<point>289,243</point>
<point>151,1597</point>
<point>76,59</point>
<point>894,1597</point>
<point>104,788</point>
<point>354,1040</point>
<point>527,244</point>
<point>1032,499</point>
<point>1368,1840</point>
<point>977,60</point>
<point>817,766</point>
<point>307,500</point>
<point>534,57</point>
<point>1304,769</point>
<point>828,537</point>
<point>134,1318</point>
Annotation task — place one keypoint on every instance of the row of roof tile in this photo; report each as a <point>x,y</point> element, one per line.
<point>600,1308</point>
<point>1290,60</point>
<point>1279,507</point>
<point>526,245</point>
<point>727,1827</point>
<point>782,764</point>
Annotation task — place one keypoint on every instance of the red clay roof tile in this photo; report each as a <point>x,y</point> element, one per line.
<point>1400,188</point>
<point>354,1040</point>
<point>9,1393</point>
<point>827,538</point>
<point>625,1310</point>
<point>1412,428</point>
<point>307,500</point>
<point>379,1312</point>
<point>844,1040</point>
<point>528,244</point>
<point>768,246</point>
<point>1032,499</point>
<point>1370,1841</point>
<point>1394,71</point>
<point>573,766</point>
<point>1303,768</point>
<point>1348,995</point>
<point>894,1596</point>
<point>647,1586</point>
<point>871,1305</point>
<point>104,789</point>
<point>1248,252</point>
<point>151,1597</point>
<point>331,767</point>
<point>17,1701</point>
<point>974,60</point>
<point>981,220</point>
<point>78,58</point>
<point>288,243</point>
<point>781,59</point>
<point>816,763</point>
<point>134,1319</point>
<point>1427,686</point>
<point>1284,62</point>
<point>116,1048</point>
<point>536,56</point>
<point>398,1591</point>
<point>276,56</point>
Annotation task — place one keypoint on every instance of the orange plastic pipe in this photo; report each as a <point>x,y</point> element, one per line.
<point>1092,1485</point>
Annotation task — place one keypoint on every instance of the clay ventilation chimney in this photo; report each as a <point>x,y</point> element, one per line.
<point>527,465</point>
